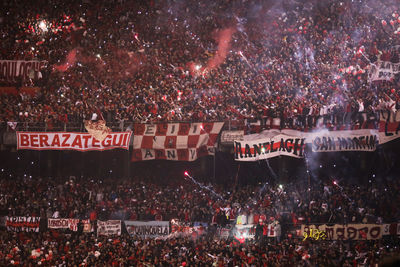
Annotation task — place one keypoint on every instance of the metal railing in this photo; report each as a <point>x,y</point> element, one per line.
<point>295,122</point>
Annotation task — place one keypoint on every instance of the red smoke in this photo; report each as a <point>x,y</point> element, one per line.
<point>69,61</point>
<point>223,39</point>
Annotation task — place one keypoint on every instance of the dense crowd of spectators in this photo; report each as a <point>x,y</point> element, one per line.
<point>290,204</point>
<point>149,61</point>
<point>59,249</point>
<point>294,203</point>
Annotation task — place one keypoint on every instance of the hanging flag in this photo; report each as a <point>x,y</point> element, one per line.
<point>97,129</point>
<point>12,124</point>
<point>175,141</point>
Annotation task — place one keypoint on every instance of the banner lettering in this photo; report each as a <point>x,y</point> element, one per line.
<point>71,224</point>
<point>272,143</point>
<point>12,70</point>
<point>23,224</point>
<point>71,141</point>
<point>346,232</point>
<point>151,229</point>
<point>383,71</point>
<point>332,141</point>
<point>111,227</point>
<point>175,141</point>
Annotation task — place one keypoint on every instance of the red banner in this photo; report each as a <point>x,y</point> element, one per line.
<point>175,141</point>
<point>23,224</point>
<point>71,224</point>
<point>71,141</point>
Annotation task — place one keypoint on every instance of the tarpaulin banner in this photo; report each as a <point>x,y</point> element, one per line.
<point>182,229</point>
<point>71,141</point>
<point>12,70</point>
<point>272,143</point>
<point>269,144</point>
<point>23,224</point>
<point>175,141</point>
<point>71,224</point>
<point>383,70</point>
<point>388,131</point>
<point>111,227</point>
<point>228,137</point>
<point>335,141</point>
<point>150,229</point>
<point>248,231</point>
<point>346,232</point>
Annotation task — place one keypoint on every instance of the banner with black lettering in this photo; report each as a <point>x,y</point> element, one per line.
<point>12,70</point>
<point>150,229</point>
<point>383,70</point>
<point>335,141</point>
<point>272,143</point>
<point>23,224</point>
<point>71,141</point>
<point>344,232</point>
<point>388,130</point>
<point>71,224</point>
<point>269,144</point>
<point>110,227</point>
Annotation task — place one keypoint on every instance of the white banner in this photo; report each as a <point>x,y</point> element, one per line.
<point>71,141</point>
<point>272,143</point>
<point>334,141</point>
<point>346,232</point>
<point>151,229</point>
<point>111,227</point>
<point>228,137</point>
<point>11,70</point>
<point>248,231</point>
<point>269,144</point>
<point>71,224</point>
<point>383,70</point>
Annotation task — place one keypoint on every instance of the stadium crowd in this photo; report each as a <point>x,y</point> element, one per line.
<point>122,199</point>
<point>291,205</point>
<point>156,61</point>
<point>59,249</point>
<point>305,63</point>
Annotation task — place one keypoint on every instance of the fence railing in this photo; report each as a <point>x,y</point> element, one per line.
<point>362,119</point>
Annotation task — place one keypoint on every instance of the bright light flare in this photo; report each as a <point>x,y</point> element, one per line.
<point>197,67</point>
<point>43,26</point>
<point>186,173</point>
